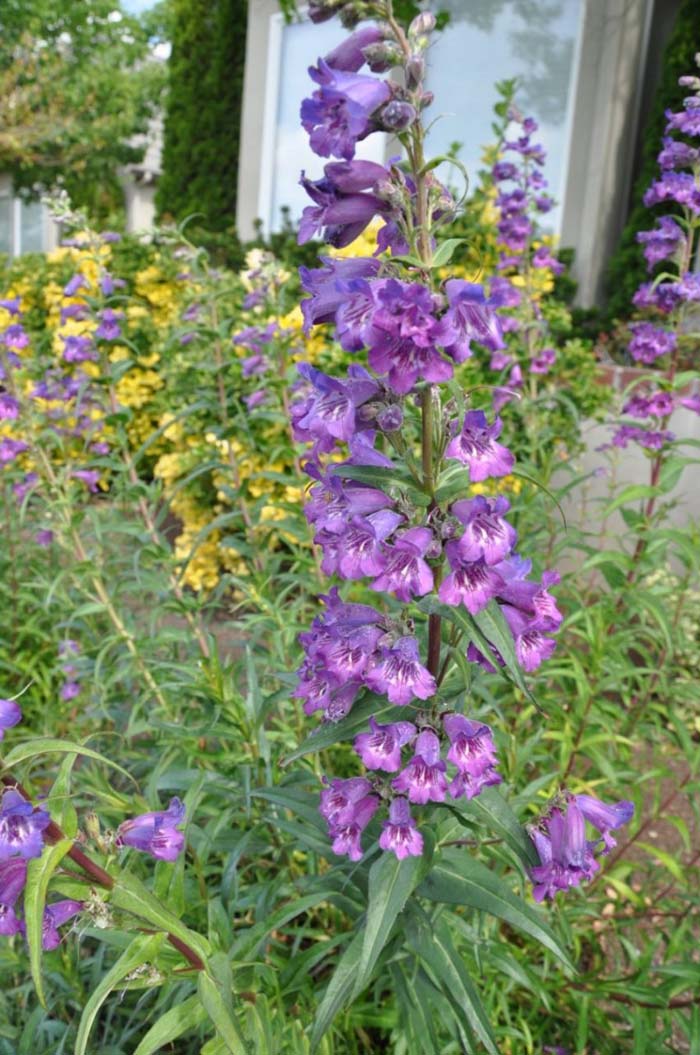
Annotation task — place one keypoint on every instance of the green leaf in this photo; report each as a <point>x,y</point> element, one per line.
<point>59,803</point>
<point>633,493</point>
<point>45,746</point>
<point>339,990</point>
<point>143,949</point>
<point>378,476</point>
<point>459,879</point>
<point>434,948</point>
<point>130,895</point>
<point>39,872</point>
<point>391,882</point>
<point>179,1019</point>
<point>446,251</point>
<point>494,811</point>
<point>215,994</point>
<point>331,733</point>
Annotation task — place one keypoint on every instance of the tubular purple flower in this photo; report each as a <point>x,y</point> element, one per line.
<point>330,285</point>
<point>470,318</point>
<point>400,834</point>
<point>604,817</point>
<point>77,283</point>
<point>423,779</point>
<point>55,916</point>
<point>347,833</point>
<point>471,583</point>
<point>21,827</point>
<point>406,573</point>
<point>10,715</point>
<point>349,55</point>
<point>13,879</point>
<point>650,342</point>
<point>487,536</point>
<point>381,747</point>
<point>156,833</point>
<point>338,113</point>
<point>476,447</point>
<point>399,673</point>
<point>339,799</point>
<point>473,752</point>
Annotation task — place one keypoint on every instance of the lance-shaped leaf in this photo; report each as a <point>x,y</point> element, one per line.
<point>339,990</point>
<point>130,895</point>
<point>39,872</point>
<point>459,879</point>
<point>178,1020</point>
<point>142,950</point>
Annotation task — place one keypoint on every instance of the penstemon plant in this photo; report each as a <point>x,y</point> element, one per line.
<point>396,452</point>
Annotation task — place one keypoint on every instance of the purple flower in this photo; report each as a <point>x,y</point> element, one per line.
<point>662,242</point>
<point>400,834</point>
<point>77,283</point>
<point>473,752</point>
<point>470,317</point>
<point>400,674</point>
<point>687,121</point>
<point>349,56</point>
<point>255,398</point>
<point>329,414</point>
<point>532,598</point>
<point>16,337</point>
<point>339,112</point>
<point>21,827</point>
<point>11,305</point>
<point>403,333</point>
<point>650,342</point>
<point>10,715</point>
<point>70,690</point>
<point>156,833</point>
<point>691,403</point>
<point>476,447</point>
<point>471,583</point>
<point>9,407</point>
<point>339,799</point>
<point>604,817</point>
<point>424,778</point>
<point>331,285</point>
<point>44,537</point>
<point>346,831</point>
<point>109,328</point>
<point>90,477</point>
<point>651,439</point>
<point>406,573</point>
<point>675,155</point>
<point>532,643</point>
<point>343,202</point>
<point>542,257</point>
<point>381,747</point>
<point>78,349</point>
<point>487,536</point>
<point>13,878</point>
<point>9,449</point>
<point>360,551</point>
<point>541,362</point>
<point>677,187</point>
<point>54,917</point>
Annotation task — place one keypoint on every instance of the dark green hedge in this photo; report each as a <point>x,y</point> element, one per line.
<point>627,267</point>
<point>203,113</point>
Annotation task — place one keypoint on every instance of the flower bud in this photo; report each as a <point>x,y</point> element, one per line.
<point>422,25</point>
<point>415,72</point>
<point>426,100</point>
<point>389,192</point>
<point>381,57</point>
<point>397,116</point>
<point>390,418</point>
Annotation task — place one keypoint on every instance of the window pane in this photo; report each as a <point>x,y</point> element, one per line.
<point>302,44</point>
<point>32,227</point>
<point>5,225</point>
<point>491,40</point>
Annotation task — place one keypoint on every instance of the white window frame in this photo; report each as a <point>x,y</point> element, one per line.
<point>16,247</point>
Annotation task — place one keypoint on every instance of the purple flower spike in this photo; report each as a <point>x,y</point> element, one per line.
<point>605,818</point>
<point>473,751</point>
<point>10,715</point>
<point>403,335</point>
<point>406,574</point>
<point>21,827</point>
<point>424,779</point>
<point>650,342</point>
<point>476,447</point>
<point>487,536</point>
<point>339,112</point>
<point>400,834</point>
<point>54,917</point>
<point>156,833</point>
<point>109,328</point>
<point>381,748</point>
<point>77,283</point>
<point>400,674</point>
<point>13,877</point>
<point>347,834</point>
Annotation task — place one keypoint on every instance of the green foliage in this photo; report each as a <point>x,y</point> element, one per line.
<point>78,83</point>
<point>627,267</point>
<point>203,112</point>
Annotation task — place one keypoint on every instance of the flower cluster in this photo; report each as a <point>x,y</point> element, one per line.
<point>383,441</point>
<point>673,295</point>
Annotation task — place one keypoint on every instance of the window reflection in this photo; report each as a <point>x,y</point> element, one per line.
<point>491,40</point>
